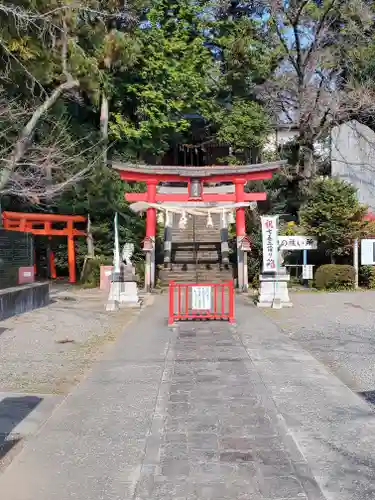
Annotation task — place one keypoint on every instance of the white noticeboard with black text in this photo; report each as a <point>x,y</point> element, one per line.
<point>297,243</point>
<point>307,272</point>
<point>201,298</point>
<point>368,252</point>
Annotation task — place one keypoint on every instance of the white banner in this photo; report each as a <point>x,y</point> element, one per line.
<point>297,243</point>
<point>201,298</point>
<point>269,239</point>
<point>368,252</point>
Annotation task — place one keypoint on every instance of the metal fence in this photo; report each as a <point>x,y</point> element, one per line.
<point>16,250</point>
<point>211,301</point>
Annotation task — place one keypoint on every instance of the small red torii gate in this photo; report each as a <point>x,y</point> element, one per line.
<point>42,225</point>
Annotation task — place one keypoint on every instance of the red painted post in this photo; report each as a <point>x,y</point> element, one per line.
<point>171,303</point>
<point>151,233</point>
<point>222,314</point>
<point>151,212</point>
<point>71,253</point>
<point>240,232</point>
<point>186,302</point>
<point>240,212</point>
<point>231,302</point>
<point>52,265</point>
<point>178,301</point>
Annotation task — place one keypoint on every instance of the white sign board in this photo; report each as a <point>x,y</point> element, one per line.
<point>201,298</point>
<point>297,243</point>
<point>368,252</point>
<point>307,272</point>
<point>27,274</point>
<point>269,239</point>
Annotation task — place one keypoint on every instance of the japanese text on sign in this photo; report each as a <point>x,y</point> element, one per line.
<point>201,298</point>
<point>297,243</point>
<point>269,238</point>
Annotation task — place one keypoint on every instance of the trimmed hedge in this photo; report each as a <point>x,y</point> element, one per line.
<point>367,276</point>
<point>334,277</point>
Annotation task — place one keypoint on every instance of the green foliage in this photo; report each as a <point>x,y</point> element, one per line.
<point>366,276</point>
<point>229,160</point>
<point>335,277</point>
<point>91,274</point>
<point>101,196</point>
<point>169,80</point>
<point>290,229</point>
<point>245,125</point>
<point>333,214</point>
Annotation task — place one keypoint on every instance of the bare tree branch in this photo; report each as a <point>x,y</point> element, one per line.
<point>310,88</point>
<point>28,130</point>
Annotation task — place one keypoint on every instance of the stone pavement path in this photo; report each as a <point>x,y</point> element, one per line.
<point>193,414</point>
<point>165,415</point>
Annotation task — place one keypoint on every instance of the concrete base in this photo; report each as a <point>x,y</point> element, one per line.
<point>274,291</point>
<point>123,293</point>
<point>113,303</point>
<point>129,295</point>
<point>23,298</point>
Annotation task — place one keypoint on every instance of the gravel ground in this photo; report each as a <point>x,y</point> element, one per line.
<point>48,350</point>
<point>338,329</point>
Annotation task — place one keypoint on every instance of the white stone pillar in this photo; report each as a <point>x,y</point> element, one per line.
<point>224,238</point>
<point>148,272</point>
<point>240,264</point>
<point>168,238</point>
<point>152,268</point>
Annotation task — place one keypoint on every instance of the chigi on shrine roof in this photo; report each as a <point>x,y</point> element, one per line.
<point>192,171</point>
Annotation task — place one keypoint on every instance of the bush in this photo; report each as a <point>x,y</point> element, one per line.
<point>91,273</point>
<point>334,277</point>
<point>367,276</point>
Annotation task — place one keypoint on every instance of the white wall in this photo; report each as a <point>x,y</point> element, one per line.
<point>353,158</point>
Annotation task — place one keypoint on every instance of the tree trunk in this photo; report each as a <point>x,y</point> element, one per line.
<point>104,117</point>
<point>307,167</point>
<point>89,239</point>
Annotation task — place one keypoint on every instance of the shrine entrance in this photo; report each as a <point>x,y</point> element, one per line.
<point>196,206</point>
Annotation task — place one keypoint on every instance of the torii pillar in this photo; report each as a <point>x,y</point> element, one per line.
<point>242,277</point>
<point>151,234</point>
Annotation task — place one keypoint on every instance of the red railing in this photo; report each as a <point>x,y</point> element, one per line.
<point>189,301</point>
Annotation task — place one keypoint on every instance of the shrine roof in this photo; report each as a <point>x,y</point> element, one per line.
<point>191,171</point>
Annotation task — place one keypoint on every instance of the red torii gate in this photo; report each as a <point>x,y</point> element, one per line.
<point>196,178</point>
<point>42,225</point>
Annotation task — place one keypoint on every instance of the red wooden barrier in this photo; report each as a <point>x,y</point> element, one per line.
<point>190,301</point>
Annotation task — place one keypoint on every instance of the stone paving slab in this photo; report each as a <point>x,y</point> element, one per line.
<point>333,427</point>
<point>166,414</point>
